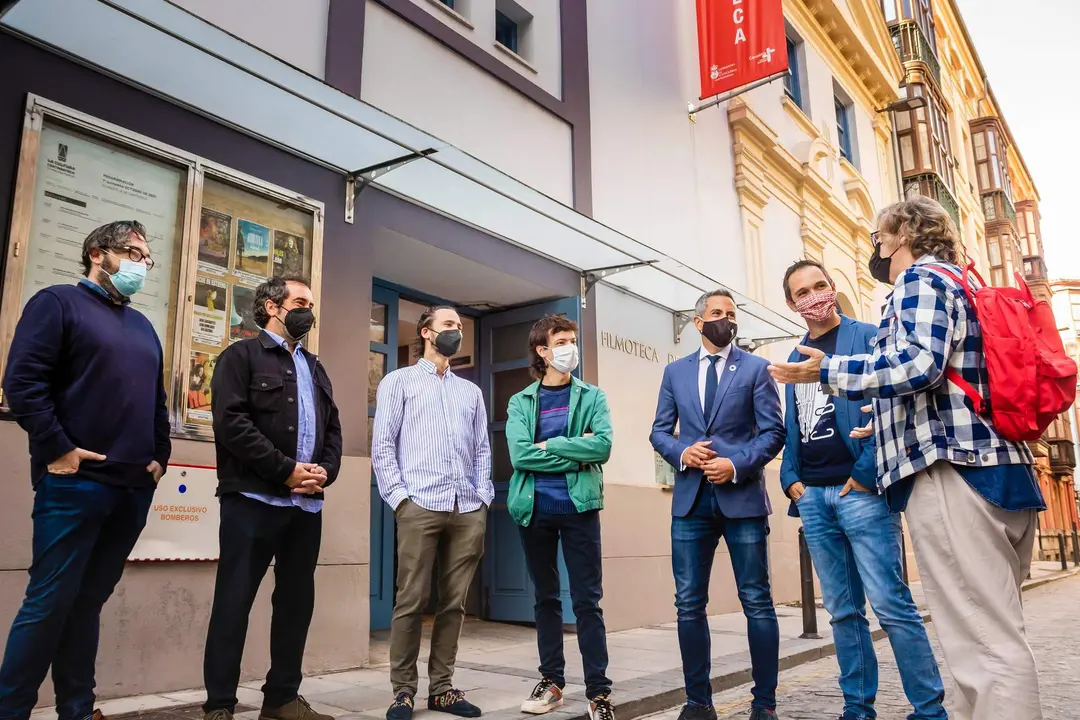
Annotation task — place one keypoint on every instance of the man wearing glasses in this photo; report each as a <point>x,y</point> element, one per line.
<point>85,380</point>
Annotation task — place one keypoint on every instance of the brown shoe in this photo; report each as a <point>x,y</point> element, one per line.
<point>98,715</point>
<point>298,709</point>
<point>220,714</point>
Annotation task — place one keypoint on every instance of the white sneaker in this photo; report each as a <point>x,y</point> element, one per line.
<point>600,709</point>
<point>546,696</point>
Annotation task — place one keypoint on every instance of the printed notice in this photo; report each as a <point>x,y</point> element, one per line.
<point>200,373</point>
<point>81,184</point>
<point>251,260</point>
<point>214,231</point>
<point>208,325</point>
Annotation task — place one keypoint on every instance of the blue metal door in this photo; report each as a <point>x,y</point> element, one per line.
<point>383,357</point>
<point>504,370</point>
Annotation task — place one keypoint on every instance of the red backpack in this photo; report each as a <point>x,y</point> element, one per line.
<point>1032,378</point>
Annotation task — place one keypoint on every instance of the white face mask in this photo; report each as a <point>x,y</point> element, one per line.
<point>564,358</point>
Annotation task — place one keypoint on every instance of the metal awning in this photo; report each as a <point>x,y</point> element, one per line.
<point>173,54</point>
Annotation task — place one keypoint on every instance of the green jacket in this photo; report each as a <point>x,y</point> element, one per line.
<point>577,456</point>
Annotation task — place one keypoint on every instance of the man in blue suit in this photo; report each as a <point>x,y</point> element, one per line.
<point>830,473</point>
<point>728,410</point>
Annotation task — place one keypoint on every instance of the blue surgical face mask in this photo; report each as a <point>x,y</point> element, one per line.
<point>129,279</point>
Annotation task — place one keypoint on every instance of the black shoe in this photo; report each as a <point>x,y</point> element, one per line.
<point>453,702</point>
<point>402,709</point>
<point>697,712</point>
<point>762,714</point>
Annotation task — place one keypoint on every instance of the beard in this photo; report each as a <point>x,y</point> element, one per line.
<point>105,281</point>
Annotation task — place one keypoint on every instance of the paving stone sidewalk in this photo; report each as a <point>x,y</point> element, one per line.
<point>497,668</point>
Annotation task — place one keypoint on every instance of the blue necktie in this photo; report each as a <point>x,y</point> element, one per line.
<point>711,384</point>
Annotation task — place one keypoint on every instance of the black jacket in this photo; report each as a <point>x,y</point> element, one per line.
<point>256,418</point>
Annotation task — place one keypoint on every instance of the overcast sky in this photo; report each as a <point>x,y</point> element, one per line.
<point>1027,48</point>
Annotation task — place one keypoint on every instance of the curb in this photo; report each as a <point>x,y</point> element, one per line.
<point>632,703</point>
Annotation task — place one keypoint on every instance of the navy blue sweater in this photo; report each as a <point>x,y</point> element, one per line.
<point>86,372</point>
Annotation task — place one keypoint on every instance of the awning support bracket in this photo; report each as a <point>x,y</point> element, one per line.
<point>750,345</point>
<point>679,320</point>
<point>358,181</point>
<point>589,278</point>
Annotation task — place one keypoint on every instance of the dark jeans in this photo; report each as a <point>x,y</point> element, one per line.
<point>83,533</point>
<point>580,535</point>
<point>252,534</point>
<point>694,539</point>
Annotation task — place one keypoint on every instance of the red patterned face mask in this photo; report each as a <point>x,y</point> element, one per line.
<point>817,306</point>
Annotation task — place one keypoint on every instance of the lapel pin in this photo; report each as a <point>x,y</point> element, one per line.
<point>732,368</point>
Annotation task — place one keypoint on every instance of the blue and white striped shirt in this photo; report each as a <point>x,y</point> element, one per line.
<point>305,440</point>
<point>430,443</point>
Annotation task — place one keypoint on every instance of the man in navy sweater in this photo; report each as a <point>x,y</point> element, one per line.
<point>85,380</point>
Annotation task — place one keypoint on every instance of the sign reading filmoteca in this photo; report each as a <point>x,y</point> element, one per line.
<point>184,517</point>
<point>739,42</point>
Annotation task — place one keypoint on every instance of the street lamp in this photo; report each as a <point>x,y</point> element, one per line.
<point>903,105</point>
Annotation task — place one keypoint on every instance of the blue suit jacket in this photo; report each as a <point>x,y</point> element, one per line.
<point>744,425</point>
<point>854,338</point>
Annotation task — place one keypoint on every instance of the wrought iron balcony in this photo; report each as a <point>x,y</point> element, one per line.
<point>1062,456</point>
<point>912,46</point>
<point>932,186</point>
<point>998,206</point>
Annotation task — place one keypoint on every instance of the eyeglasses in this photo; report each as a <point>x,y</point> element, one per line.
<point>137,255</point>
<point>875,238</point>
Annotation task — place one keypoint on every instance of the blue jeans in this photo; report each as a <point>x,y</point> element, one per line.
<point>855,543</point>
<point>694,539</point>
<point>83,533</point>
<point>579,534</point>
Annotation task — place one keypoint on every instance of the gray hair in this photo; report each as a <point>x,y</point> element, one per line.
<point>704,300</point>
<point>276,290</point>
<point>114,236</point>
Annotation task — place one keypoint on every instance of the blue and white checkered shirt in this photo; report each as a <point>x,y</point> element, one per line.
<point>919,417</point>
<point>430,441</point>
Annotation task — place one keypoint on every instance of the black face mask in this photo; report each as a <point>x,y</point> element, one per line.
<point>298,322</point>
<point>447,342</point>
<point>719,332</point>
<point>880,266</point>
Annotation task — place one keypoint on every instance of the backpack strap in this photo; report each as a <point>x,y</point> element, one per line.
<point>977,400</point>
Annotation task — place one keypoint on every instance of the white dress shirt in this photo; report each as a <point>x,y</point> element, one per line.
<point>703,368</point>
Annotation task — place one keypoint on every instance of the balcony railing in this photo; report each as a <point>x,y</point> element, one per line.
<point>931,185</point>
<point>998,206</point>
<point>912,46</point>
<point>1062,456</point>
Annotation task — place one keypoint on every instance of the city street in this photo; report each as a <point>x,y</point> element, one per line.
<point>810,692</point>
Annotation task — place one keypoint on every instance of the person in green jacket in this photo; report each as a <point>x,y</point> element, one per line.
<point>559,433</point>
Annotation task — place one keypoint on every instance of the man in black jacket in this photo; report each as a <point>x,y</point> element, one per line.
<point>278,445</point>
<point>85,380</point>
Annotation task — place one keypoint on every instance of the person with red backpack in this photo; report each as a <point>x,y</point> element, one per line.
<point>968,490</point>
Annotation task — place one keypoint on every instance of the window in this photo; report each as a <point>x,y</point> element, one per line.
<point>844,127</point>
<point>506,31</point>
<point>888,7</point>
<point>923,134</point>
<point>793,80</point>
<point>991,156</point>
<point>214,234</point>
<point>448,3</point>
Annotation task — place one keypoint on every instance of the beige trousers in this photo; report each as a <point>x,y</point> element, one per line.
<point>973,557</point>
<point>456,541</point>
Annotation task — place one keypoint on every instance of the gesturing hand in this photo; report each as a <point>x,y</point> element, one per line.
<point>807,371</point>
<point>69,463</point>
<point>861,433</point>
<point>697,454</point>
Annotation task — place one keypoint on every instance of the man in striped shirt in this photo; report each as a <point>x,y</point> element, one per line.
<point>431,457</point>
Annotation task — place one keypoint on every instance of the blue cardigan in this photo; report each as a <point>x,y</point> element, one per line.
<point>855,338</point>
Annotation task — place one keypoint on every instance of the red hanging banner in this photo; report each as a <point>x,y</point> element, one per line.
<point>739,42</point>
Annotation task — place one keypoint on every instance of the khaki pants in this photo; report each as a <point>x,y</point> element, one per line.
<point>973,557</point>
<point>456,540</point>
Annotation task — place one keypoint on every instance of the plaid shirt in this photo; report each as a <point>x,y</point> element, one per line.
<point>920,418</point>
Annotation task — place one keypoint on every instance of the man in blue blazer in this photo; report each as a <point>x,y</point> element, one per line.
<point>830,473</point>
<point>728,411</point>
